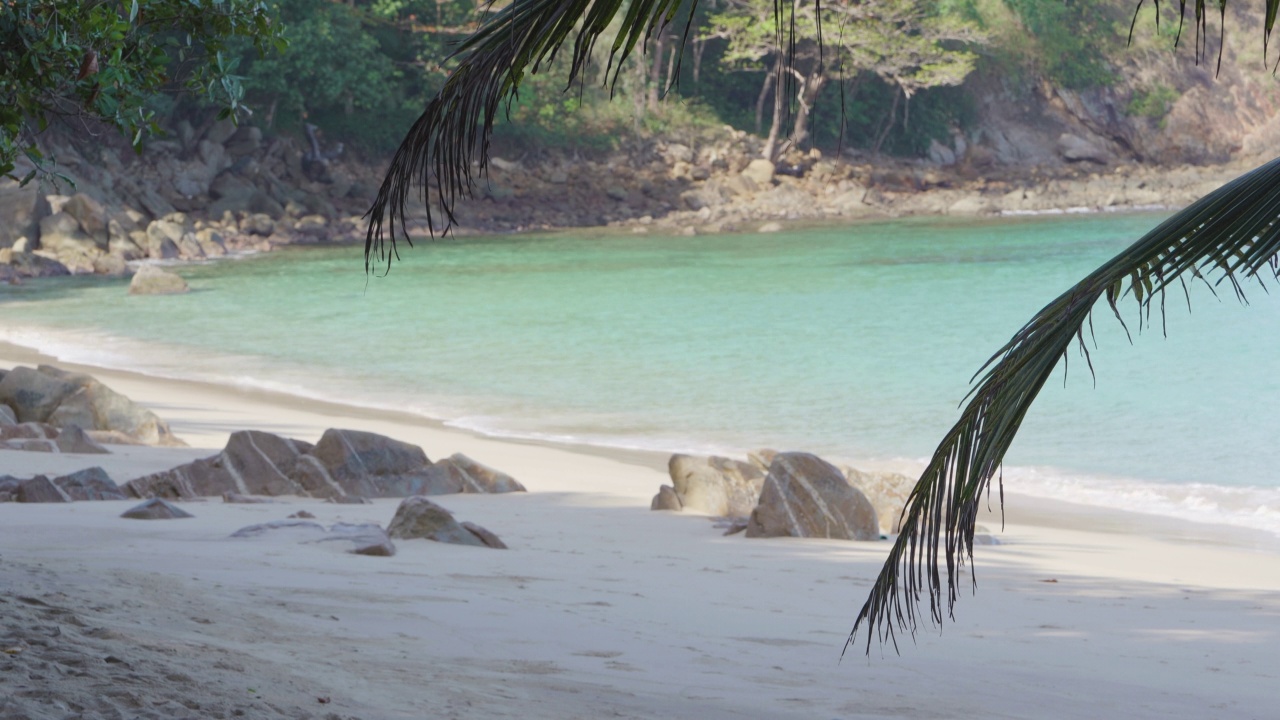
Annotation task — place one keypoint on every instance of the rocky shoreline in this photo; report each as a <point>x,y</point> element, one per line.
<point>219,190</point>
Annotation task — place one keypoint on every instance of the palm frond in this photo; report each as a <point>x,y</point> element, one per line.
<point>451,138</point>
<point>1229,236</point>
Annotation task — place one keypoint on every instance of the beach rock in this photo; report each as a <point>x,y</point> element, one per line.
<point>252,463</point>
<point>151,280</point>
<point>155,509</point>
<point>418,517</point>
<point>666,499</point>
<point>887,492</point>
<point>238,499</point>
<point>33,395</point>
<point>363,539</point>
<point>372,465</point>
<point>300,530</point>
<point>805,496</point>
<point>95,407</point>
<point>28,430</point>
<point>31,445</point>
<point>41,489</point>
<point>760,172</point>
<point>1074,148</point>
<point>475,477</point>
<point>72,439</point>
<point>715,485</point>
<point>90,484</point>
<point>486,537</point>
<point>7,417</point>
<point>303,514</point>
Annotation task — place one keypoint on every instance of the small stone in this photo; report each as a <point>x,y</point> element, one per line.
<point>155,509</point>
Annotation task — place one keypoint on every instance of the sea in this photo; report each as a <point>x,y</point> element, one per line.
<point>857,342</point>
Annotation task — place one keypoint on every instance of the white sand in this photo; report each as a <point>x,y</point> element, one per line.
<point>601,608</point>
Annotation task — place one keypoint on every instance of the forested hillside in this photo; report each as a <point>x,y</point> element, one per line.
<point>896,107</point>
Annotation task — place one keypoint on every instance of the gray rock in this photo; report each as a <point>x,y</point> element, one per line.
<point>252,463</point>
<point>91,217</point>
<point>72,439</point>
<point>91,484</point>
<point>6,416</point>
<point>238,499</point>
<point>418,517</point>
<point>1076,149</point>
<point>486,537</point>
<point>715,485</point>
<point>258,224</point>
<point>47,446</point>
<point>151,280</point>
<point>474,477</point>
<point>372,465</point>
<point>28,431</point>
<point>41,489</point>
<point>96,407</point>
<point>364,539</point>
<point>155,509</point>
<point>220,131</point>
<point>666,499</point>
<point>33,395</point>
<point>805,496</point>
<point>760,172</point>
<point>888,493</point>
<point>300,529</point>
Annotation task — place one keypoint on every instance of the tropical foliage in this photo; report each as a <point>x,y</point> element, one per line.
<point>99,61</point>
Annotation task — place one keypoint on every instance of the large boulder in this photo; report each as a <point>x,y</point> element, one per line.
<point>760,172</point>
<point>474,477</point>
<point>344,464</point>
<point>152,280</point>
<point>73,439</point>
<point>90,484</point>
<point>419,517</point>
<point>252,463</point>
<point>888,493</point>
<point>372,465</point>
<point>33,395</point>
<point>94,406</point>
<point>714,485</point>
<point>805,496</point>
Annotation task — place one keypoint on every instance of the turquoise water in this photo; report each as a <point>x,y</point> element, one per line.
<point>853,342</point>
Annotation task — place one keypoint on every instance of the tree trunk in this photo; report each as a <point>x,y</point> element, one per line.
<point>764,95</point>
<point>888,124</point>
<point>809,88</point>
<point>779,104</point>
<point>655,71</point>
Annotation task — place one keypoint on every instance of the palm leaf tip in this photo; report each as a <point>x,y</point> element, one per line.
<point>1229,236</point>
<point>449,143</point>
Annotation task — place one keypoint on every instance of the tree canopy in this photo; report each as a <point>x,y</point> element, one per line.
<point>92,61</point>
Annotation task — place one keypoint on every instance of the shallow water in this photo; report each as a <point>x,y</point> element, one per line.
<point>855,342</point>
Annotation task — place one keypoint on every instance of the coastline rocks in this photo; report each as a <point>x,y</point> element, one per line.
<point>49,395</point>
<point>156,509</point>
<point>151,280</point>
<point>805,496</point>
<point>716,486</point>
<point>666,499</point>
<point>344,466</point>
<point>363,539</point>
<point>888,493</point>
<point>475,477</point>
<point>72,439</point>
<point>419,517</point>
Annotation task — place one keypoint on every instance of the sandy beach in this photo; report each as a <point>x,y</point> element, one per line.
<point>600,608</point>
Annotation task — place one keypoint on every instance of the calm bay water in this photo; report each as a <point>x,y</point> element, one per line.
<point>853,342</point>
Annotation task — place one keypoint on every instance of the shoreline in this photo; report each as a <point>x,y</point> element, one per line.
<point>207,426</point>
<point>601,607</point>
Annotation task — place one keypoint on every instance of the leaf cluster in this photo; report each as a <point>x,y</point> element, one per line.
<point>101,60</point>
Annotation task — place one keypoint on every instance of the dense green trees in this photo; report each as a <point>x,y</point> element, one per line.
<point>100,61</point>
